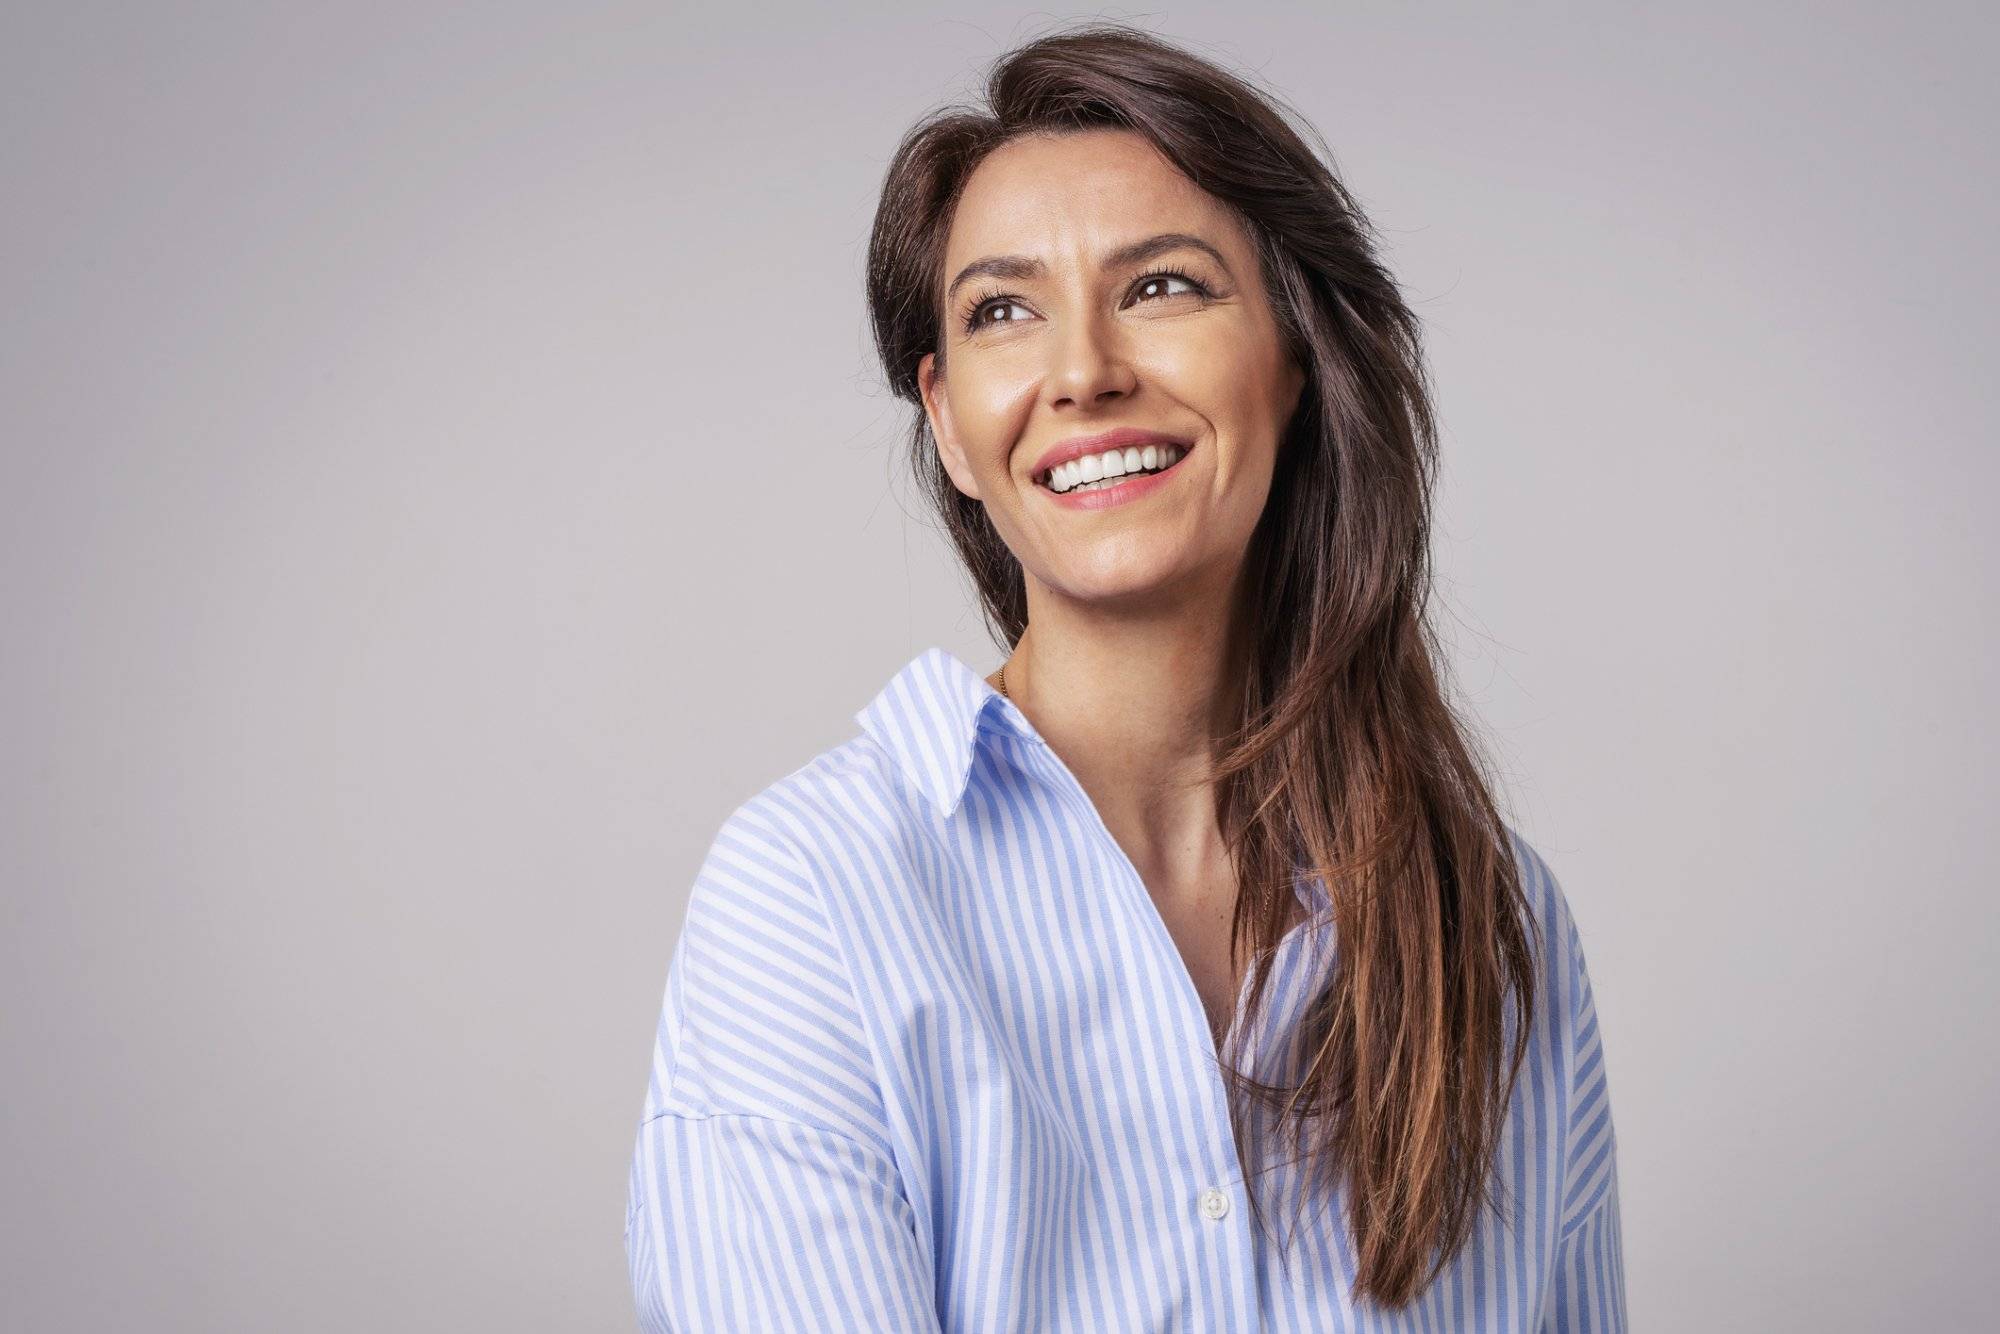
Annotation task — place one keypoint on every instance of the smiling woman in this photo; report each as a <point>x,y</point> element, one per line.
<point>994,1014</point>
<point>1132,300</point>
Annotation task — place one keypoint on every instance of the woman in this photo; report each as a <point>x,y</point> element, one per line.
<point>1022,1007</point>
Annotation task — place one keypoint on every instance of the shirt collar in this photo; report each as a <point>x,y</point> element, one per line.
<point>927,717</point>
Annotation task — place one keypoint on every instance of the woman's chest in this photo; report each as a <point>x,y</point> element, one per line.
<point>1045,1037</point>
<point>1200,933</point>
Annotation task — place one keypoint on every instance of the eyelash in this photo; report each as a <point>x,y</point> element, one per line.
<point>969,320</point>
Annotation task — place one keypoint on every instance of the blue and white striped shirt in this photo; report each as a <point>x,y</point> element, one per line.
<point>930,1060</point>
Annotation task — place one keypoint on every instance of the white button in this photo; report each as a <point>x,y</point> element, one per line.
<point>1214,1203</point>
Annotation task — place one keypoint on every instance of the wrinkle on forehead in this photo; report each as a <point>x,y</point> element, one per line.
<point>1067,198</point>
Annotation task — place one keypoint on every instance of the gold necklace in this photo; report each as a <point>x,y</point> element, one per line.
<point>1003,682</point>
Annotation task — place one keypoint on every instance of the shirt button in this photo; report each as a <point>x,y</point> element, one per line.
<point>1214,1204</point>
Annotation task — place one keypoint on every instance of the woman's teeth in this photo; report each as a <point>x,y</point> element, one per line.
<point>1094,472</point>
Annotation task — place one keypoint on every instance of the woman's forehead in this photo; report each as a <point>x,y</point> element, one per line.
<point>1065,201</point>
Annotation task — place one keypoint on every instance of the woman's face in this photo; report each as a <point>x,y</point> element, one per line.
<point>1062,339</point>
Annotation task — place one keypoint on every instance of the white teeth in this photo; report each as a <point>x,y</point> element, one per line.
<point>1110,466</point>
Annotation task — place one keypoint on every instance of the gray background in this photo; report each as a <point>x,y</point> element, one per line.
<point>444,473</point>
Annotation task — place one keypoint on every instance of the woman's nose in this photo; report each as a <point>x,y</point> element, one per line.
<point>1088,364</point>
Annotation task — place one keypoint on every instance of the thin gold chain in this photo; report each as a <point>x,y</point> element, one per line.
<point>1003,682</point>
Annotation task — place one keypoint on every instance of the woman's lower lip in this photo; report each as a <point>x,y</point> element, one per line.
<point>1104,497</point>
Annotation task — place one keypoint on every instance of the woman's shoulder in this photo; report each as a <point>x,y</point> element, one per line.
<point>1574,1049</point>
<point>1564,972</point>
<point>1555,923</point>
<point>847,796</point>
<point>834,847</point>
<point>785,911</point>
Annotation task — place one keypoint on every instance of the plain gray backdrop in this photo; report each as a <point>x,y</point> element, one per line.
<point>444,472</point>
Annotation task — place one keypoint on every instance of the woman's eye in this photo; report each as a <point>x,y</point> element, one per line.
<point>999,303</point>
<point>976,319</point>
<point>1151,280</point>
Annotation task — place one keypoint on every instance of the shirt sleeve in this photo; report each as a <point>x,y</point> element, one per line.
<point>764,1193</point>
<point>1587,1289</point>
<point>749,1222</point>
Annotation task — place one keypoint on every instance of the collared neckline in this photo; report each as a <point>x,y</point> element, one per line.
<point>928,718</point>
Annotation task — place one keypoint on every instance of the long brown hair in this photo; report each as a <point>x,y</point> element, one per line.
<point>1348,760</point>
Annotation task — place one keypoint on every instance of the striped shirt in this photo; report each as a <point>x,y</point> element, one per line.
<point>929,1059</point>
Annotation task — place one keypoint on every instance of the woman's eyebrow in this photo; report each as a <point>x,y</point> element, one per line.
<point>1022,267</point>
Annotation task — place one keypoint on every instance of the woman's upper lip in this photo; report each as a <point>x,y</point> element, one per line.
<point>1121,437</point>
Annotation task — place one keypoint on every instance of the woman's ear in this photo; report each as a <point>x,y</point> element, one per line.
<point>937,408</point>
